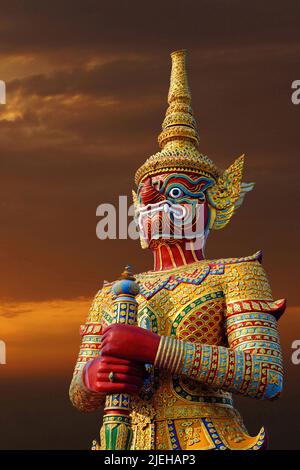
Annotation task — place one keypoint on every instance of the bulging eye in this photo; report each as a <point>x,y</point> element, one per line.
<point>175,193</point>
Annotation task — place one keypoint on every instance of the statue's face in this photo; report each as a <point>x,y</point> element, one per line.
<point>173,206</point>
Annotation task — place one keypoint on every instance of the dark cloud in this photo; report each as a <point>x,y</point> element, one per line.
<point>120,27</point>
<point>100,80</point>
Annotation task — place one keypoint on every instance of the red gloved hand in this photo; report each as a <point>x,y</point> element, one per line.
<point>127,376</point>
<point>130,342</point>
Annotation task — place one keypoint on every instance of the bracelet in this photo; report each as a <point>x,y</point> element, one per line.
<point>174,355</point>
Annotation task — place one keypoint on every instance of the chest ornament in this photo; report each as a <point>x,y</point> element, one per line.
<point>150,284</point>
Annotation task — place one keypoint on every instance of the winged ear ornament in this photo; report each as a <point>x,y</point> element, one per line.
<point>227,194</point>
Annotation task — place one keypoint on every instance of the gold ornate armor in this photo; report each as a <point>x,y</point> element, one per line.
<point>222,303</point>
<point>216,318</point>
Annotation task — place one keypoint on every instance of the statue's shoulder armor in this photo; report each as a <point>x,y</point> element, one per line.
<point>227,262</point>
<point>246,271</point>
<point>246,286</point>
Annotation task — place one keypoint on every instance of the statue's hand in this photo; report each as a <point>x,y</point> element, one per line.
<point>130,342</point>
<point>109,375</point>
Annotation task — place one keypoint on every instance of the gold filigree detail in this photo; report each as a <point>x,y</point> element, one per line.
<point>227,194</point>
<point>82,398</point>
<point>245,281</point>
<point>142,417</point>
<point>189,433</point>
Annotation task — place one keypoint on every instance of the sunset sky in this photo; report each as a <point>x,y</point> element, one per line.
<point>87,87</point>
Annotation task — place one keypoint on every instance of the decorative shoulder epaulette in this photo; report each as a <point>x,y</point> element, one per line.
<point>223,262</point>
<point>273,307</point>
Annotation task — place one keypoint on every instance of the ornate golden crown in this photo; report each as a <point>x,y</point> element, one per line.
<point>179,141</point>
<point>179,138</point>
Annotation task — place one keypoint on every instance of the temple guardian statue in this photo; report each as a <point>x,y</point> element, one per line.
<point>202,330</point>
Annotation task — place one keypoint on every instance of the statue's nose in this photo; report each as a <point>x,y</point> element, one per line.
<point>150,195</point>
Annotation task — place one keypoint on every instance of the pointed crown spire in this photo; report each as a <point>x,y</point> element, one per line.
<point>179,139</point>
<point>179,123</point>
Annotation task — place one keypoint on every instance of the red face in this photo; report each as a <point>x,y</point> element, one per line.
<point>173,206</point>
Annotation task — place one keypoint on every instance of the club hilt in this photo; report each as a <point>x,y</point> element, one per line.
<point>116,432</point>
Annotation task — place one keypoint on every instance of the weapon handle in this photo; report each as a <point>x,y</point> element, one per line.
<point>116,432</point>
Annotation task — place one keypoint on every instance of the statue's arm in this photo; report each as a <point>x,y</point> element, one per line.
<point>251,365</point>
<point>253,368</point>
<point>80,395</point>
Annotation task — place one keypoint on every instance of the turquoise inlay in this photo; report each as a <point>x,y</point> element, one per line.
<point>107,316</point>
<point>274,384</point>
<point>147,319</point>
<point>208,182</point>
<point>189,351</point>
<point>236,317</point>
